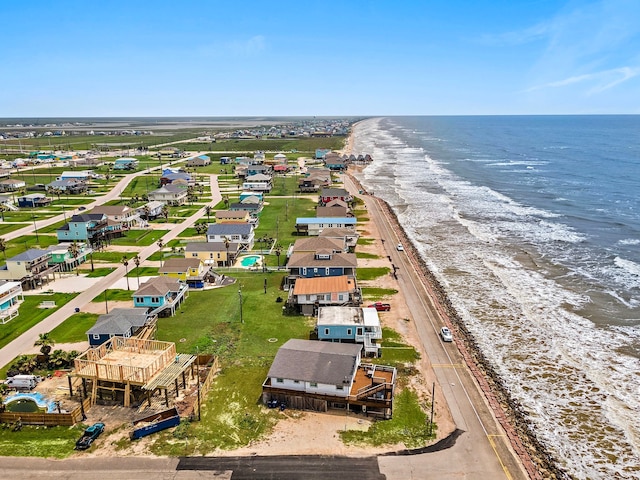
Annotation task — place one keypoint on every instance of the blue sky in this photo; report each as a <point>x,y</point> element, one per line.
<point>215,58</point>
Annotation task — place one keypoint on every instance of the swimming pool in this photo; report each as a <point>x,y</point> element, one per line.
<point>29,403</point>
<point>250,260</point>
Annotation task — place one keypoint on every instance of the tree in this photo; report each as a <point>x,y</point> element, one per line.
<point>146,212</point>
<point>160,244</point>
<point>165,212</point>
<point>3,208</point>
<point>45,342</point>
<point>278,252</point>
<point>125,262</point>
<point>136,260</point>
<point>201,228</point>
<point>74,251</point>
<point>225,199</point>
<point>227,242</point>
<point>207,210</point>
<point>3,247</point>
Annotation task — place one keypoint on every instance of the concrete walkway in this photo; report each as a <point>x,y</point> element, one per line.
<point>90,291</point>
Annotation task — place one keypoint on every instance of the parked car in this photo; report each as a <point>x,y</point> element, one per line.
<point>381,307</point>
<point>399,247</point>
<point>89,435</point>
<point>446,335</point>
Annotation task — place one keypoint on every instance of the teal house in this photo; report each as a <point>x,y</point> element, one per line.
<point>161,296</point>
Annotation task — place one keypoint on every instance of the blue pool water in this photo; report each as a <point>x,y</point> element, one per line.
<point>249,261</point>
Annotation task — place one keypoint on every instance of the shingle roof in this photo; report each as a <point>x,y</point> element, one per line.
<point>158,286</point>
<point>119,321</point>
<point>179,265</point>
<point>311,361</point>
<point>311,286</point>
<point>211,247</point>
<point>229,229</point>
<point>311,244</point>
<point>29,255</point>
<point>314,220</point>
<point>307,259</point>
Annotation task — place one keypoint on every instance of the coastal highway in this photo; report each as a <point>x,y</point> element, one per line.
<point>482,451</point>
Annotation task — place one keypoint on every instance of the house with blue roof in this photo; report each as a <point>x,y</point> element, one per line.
<point>30,268</point>
<point>240,233</point>
<point>121,322</point>
<point>315,225</point>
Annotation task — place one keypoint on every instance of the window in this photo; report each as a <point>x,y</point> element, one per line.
<point>296,381</point>
<point>326,271</point>
<point>349,331</point>
<point>326,331</point>
<point>96,336</point>
<point>313,384</point>
<point>280,380</point>
<point>339,387</point>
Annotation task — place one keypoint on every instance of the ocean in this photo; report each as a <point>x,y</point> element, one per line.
<point>532,225</point>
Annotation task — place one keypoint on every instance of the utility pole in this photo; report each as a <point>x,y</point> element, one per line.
<point>240,299</point>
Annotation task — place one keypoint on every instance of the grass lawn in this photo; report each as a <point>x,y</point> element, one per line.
<point>10,227</point>
<point>409,425</point>
<point>278,219</point>
<point>115,295</point>
<point>366,255</point>
<point>139,237</point>
<point>365,241</point>
<point>97,272</point>
<point>73,329</point>
<point>371,273</point>
<point>31,315</point>
<point>376,293</point>
<point>36,441</point>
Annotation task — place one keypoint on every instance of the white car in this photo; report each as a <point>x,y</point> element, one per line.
<point>446,335</point>
<point>399,247</point>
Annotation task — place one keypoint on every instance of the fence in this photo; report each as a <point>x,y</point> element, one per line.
<point>48,419</point>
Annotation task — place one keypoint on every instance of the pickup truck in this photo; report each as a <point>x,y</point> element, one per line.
<point>89,435</point>
<point>381,307</point>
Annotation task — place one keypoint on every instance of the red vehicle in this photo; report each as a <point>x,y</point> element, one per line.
<point>381,307</point>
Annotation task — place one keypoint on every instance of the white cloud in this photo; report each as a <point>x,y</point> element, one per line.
<point>238,48</point>
<point>598,81</point>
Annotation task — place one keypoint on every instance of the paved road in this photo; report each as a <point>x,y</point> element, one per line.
<point>26,340</point>
<point>482,451</point>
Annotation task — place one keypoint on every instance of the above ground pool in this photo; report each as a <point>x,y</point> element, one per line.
<point>33,402</point>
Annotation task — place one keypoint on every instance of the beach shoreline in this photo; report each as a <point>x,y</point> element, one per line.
<point>535,458</point>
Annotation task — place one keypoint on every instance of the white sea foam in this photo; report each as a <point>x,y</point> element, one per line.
<point>567,372</point>
<point>629,241</point>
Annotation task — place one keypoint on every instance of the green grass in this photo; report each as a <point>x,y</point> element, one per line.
<point>231,416</point>
<point>36,441</point>
<point>139,237</point>
<point>278,219</point>
<point>112,257</point>
<point>74,329</point>
<point>31,315</point>
<point>10,227</point>
<point>376,293</point>
<point>365,241</point>
<point>97,272</point>
<point>366,255</point>
<point>116,295</point>
<point>409,425</point>
<point>371,273</point>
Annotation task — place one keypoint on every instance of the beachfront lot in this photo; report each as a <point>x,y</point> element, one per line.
<point>197,328</point>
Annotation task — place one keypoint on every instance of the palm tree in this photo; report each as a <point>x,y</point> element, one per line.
<point>74,251</point>
<point>278,252</point>
<point>160,244</point>
<point>3,247</point>
<point>125,262</point>
<point>3,208</point>
<point>45,342</point>
<point>136,260</point>
<point>227,242</point>
<point>225,199</point>
<point>146,211</point>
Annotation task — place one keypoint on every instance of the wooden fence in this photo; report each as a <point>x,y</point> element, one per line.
<point>48,419</point>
